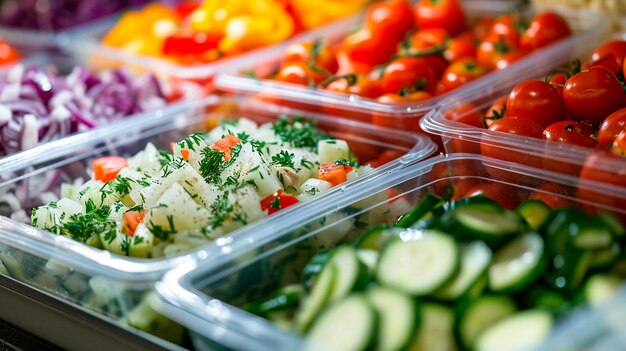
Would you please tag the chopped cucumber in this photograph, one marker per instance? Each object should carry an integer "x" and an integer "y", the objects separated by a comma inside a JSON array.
[
  {"x": 475, "y": 260},
  {"x": 348, "y": 325},
  {"x": 317, "y": 299},
  {"x": 518, "y": 264},
  {"x": 494, "y": 228},
  {"x": 535, "y": 212},
  {"x": 352, "y": 274},
  {"x": 477, "y": 315},
  {"x": 436, "y": 329},
  {"x": 421, "y": 266},
  {"x": 519, "y": 332},
  {"x": 426, "y": 204},
  {"x": 399, "y": 318},
  {"x": 600, "y": 288}
]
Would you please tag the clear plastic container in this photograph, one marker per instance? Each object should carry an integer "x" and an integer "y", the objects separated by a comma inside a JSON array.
[
  {"x": 204, "y": 296},
  {"x": 460, "y": 137},
  {"x": 115, "y": 285},
  {"x": 88, "y": 48},
  {"x": 589, "y": 28}
]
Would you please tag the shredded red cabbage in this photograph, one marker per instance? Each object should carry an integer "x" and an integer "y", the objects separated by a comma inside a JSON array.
[
  {"x": 37, "y": 106},
  {"x": 50, "y": 15}
]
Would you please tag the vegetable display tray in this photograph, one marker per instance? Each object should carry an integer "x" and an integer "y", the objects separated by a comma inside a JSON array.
[
  {"x": 111, "y": 284},
  {"x": 204, "y": 296},
  {"x": 588, "y": 28},
  {"x": 458, "y": 137}
]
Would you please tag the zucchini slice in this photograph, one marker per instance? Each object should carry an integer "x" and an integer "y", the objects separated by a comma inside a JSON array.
[
  {"x": 352, "y": 274},
  {"x": 519, "y": 332},
  {"x": 605, "y": 258},
  {"x": 317, "y": 299},
  {"x": 535, "y": 212},
  {"x": 421, "y": 266},
  {"x": 518, "y": 264},
  {"x": 475, "y": 260},
  {"x": 600, "y": 288},
  {"x": 286, "y": 298},
  {"x": 377, "y": 237},
  {"x": 494, "y": 228},
  {"x": 314, "y": 267},
  {"x": 426, "y": 204},
  {"x": 349, "y": 325},
  {"x": 475, "y": 316},
  {"x": 436, "y": 331},
  {"x": 399, "y": 318}
]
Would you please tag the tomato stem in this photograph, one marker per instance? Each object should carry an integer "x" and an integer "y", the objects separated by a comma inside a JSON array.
[{"x": 351, "y": 79}]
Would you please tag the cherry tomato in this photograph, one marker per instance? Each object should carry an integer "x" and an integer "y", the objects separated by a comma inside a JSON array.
[
  {"x": 278, "y": 201},
  {"x": 537, "y": 101},
  {"x": 461, "y": 46},
  {"x": 460, "y": 73},
  {"x": 437, "y": 63},
  {"x": 428, "y": 38},
  {"x": 615, "y": 47},
  {"x": 391, "y": 98},
  {"x": 446, "y": 14},
  {"x": 507, "y": 28},
  {"x": 593, "y": 95},
  {"x": 317, "y": 53},
  {"x": 505, "y": 195},
  {"x": 506, "y": 152},
  {"x": 557, "y": 81},
  {"x": 407, "y": 75},
  {"x": 619, "y": 144},
  {"x": 369, "y": 46},
  {"x": 392, "y": 16},
  {"x": 190, "y": 42},
  {"x": 185, "y": 8},
  {"x": 610, "y": 127},
  {"x": 545, "y": 29},
  {"x": 571, "y": 132},
  {"x": 299, "y": 73},
  {"x": 360, "y": 85},
  {"x": 496, "y": 111},
  {"x": 465, "y": 113},
  {"x": 448, "y": 177},
  {"x": 604, "y": 167},
  {"x": 494, "y": 49},
  {"x": 609, "y": 62},
  {"x": 482, "y": 28},
  {"x": 8, "y": 54},
  {"x": 554, "y": 195}
]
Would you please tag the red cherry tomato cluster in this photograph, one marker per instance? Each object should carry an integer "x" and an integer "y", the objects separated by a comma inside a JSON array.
[{"x": 406, "y": 53}]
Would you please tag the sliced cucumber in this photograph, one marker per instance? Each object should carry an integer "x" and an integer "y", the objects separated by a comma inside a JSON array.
[
  {"x": 285, "y": 298},
  {"x": 494, "y": 228},
  {"x": 477, "y": 315},
  {"x": 399, "y": 318},
  {"x": 314, "y": 267},
  {"x": 421, "y": 266},
  {"x": 617, "y": 227},
  {"x": 349, "y": 325},
  {"x": 436, "y": 329},
  {"x": 591, "y": 234},
  {"x": 317, "y": 299},
  {"x": 426, "y": 204},
  {"x": 535, "y": 212},
  {"x": 605, "y": 258},
  {"x": 554, "y": 302},
  {"x": 377, "y": 237},
  {"x": 518, "y": 264},
  {"x": 600, "y": 288},
  {"x": 519, "y": 332},
  {"x": 352, "y": 274},
  {"x": 569, "y": 269},
  {"x": 369, "y": 258},
  {"x": 481, "y": 201},
  {"x": 475, "y": 260}
]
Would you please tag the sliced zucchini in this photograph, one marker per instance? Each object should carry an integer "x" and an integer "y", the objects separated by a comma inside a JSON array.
[
  {"x": 352, "y": 274},
  {"x": 600, "y": 288},
  {"x": 518, "y": 264},
  {"x": 349, "y": 325},
  {"x": 314, "y": 267},
  {"x": 285, "y": 298},
  {"x": 436, "y": 329},
  {"x": 317, "y": 299},
  {"x": 475, "y": 260},
  {"x": 475, "y": 316},
  {"x": 519, "y": 332},
  {"x": 494, "y": 228},
  {"x": 421, "y": 266},
  {"x": 481, "y": 201},
  {"x": 569, "y": 269},
  {"x": 590, "y": 234},
  {"x": 369, "y": 258},
  {"x": 426, "y": 204},
  {"x": 617, "y": 227},
  {"x": 535, "y": 212},
  {"x": 554, "y": 302},
  {"x": 376, "y": 238},
  {"x": 399, "y": 318},
  {"x": 605, "y": 258}
]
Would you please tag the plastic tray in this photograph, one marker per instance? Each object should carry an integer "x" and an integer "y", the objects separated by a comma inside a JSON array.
[
  {"x": 87, "y": 46},
  {"x": 203, "y": 297},
  {"x": 44, "y": 169},
  {"x": 589, "y": 28},
  {"x": 460, "y": 137}
]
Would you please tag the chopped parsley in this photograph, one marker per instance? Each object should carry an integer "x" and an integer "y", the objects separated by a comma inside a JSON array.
[
  {"x": 193, "y": 140},
  {"x": 284, "y": 159},
  {"x": 299, "y": 132},
  {"x": 275, "y": 203},
  {"x": 344, "y": 162},
  {"x": 211, "y": 165},
  {"x": 95, "y": 221}
]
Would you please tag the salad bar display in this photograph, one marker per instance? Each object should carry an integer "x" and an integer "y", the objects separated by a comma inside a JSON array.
[{"x": 261, "y": 175}]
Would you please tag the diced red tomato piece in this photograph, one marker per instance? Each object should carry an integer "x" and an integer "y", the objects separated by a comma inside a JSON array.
[
  {"x": 131, "y": 221},
  {"x": 106, "y": 168},
  {"x": 277, "y": 201}
]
